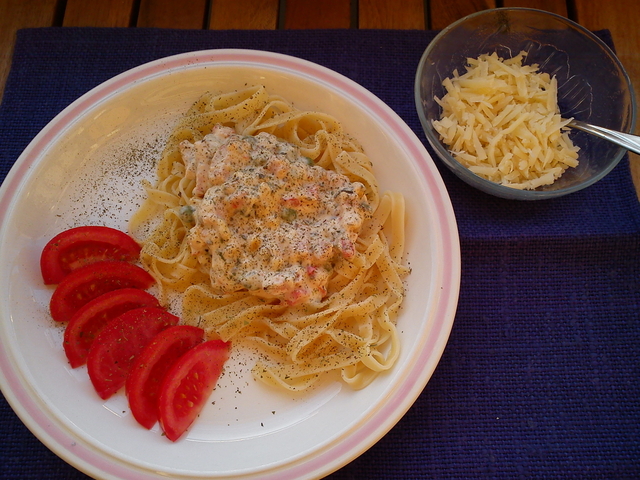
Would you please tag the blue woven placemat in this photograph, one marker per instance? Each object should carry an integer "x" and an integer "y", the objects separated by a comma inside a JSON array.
[{"x": 540, "y": 376}]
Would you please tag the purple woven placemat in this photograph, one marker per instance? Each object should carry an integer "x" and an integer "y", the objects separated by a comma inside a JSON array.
[{"x": 540, "y": 376}]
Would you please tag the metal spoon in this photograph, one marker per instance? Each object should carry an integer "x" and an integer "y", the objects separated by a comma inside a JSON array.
[{"x": 625, "y": 140}]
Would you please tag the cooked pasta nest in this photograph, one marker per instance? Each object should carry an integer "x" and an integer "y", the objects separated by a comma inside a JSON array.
[{"x": 352, "y": 331}]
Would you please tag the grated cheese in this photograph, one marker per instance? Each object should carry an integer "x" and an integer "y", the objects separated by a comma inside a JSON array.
[{"x": 501, "y": 120}]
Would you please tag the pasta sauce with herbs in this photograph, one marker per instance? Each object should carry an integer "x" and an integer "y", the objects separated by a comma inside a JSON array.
[{"x": 266, "y": 219}]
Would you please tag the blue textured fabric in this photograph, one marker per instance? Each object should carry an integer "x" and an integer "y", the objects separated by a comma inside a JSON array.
[{"x": 540, "y": 378}]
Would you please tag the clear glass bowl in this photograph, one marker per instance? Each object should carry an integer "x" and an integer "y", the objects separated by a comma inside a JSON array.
[{"x": 592, "y": 86}]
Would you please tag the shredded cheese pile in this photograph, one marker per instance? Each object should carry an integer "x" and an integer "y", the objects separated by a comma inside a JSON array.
[{"x": 501, "y": 120}]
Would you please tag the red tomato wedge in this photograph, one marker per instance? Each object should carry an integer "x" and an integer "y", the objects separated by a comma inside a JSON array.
[
  {"x": 188, "y": 385},
  {"x": 89, "y": 282},
  {"x": 151, "y": 366},
  {"x": 81, "y": 246},
  {"x": 118, "y": 344},
  {"x": 87, "y": 322}
]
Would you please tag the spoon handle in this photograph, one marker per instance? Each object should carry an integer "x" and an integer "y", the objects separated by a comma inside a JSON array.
[{"x": 625, "y": 140}]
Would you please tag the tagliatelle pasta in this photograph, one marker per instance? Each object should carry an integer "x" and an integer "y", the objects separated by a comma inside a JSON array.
[{"x": 350, "y": 326}]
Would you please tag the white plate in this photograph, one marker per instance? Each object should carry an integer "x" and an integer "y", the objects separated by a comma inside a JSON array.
[{"x": 85, "y": 168}]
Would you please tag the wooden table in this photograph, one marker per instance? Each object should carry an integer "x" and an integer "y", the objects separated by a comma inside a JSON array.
[{"x": 621, "y": 17}]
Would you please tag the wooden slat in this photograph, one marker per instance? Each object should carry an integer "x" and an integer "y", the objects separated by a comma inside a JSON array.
[
  {"x": 622, "y": 18},
  {"x": 313, "y": 14},
  {"x": 445, "y": 12},
  {"x": 554, "y": 6},
  {"x": 172, "y": 14},
  {"x": 16, "y": 14},
  {"x": 99, "y": 13},
  {"x": 244, "y": 14},
  {"x": 408, "y": 14}
]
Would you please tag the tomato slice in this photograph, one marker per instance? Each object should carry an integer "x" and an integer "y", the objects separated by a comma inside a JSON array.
[
  {"x": 81, "y": 246},
  {"x": 89, "y": 282},
  {"x": 87, "y": 322},
  {"x": 188, "y": 385},
  {"x": 116, "y": 347},
  {"x": 151, "y": 366}
]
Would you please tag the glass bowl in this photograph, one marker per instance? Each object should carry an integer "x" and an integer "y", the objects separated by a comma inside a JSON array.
[{"x": 592, "y": 86}]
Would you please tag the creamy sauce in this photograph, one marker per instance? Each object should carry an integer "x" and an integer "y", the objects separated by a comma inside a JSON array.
[{"x": 267, "y": 220}]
